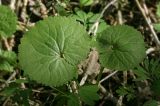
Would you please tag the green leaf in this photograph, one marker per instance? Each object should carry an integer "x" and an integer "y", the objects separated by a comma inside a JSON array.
[
  {"x": 22, "y": 97},
  {"x": 86, "y": 2},
  {"x": 9, "y": 56},
  {"x": 154, "y": 71},
  {"x": 120, "y": 47},
  {"x": 61, "y": 10},
  {"x": 127, "y": 91},
  {"x": 61, "y": 100},
  {"x": 73, "y": 100},
  {"x": 151, "y": 103},
  {"x": 121, "y": 91},
  {"x": 157, "y": 27},
  {"x": 158, "y": 9},
  {"x": 88, "y": 94},
  {"x": 50, "y": 52},
  {"x": 101, "y": 27},
  {"x": 8, "y": 60},
  {"x": 141, "y": 74},
  {"x": 152, "y": 68},
  {"x": 8, "y": 21},
  {"x": 88, "y": 19},
  {"x": 19, "y": 81},
  {"x": 92, "y": 17},
  {"x": 81, "y": 16},
  {"x": 8, "y": 91},
  {"x": 156, "y": 87},
  {"x": 5, "y": 66}
]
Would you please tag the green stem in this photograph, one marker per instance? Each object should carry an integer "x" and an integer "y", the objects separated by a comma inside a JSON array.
[
  {"x": 58, "y": 90},
  {"x": 100, "y": 74}
]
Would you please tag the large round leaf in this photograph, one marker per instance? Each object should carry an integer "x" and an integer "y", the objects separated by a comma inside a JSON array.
[
  {"x": 49, "y": 52},
  {"x": 8, "y": 21},
  {"x": 121, "y": 47}
]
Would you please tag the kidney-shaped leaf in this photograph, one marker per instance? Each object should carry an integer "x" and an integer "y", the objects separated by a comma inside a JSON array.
[
  {"x": 50, "y": 51},
  {"x": 8, "y": 21},
  {"x": 121, "y": 47}
]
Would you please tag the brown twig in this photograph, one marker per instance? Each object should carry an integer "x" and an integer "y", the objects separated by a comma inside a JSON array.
[
  {"x": 24, "y": 15},
  {"x": 107, "y": 77},
  {"x": 144, "y": 10},
  {"x": 6, "y": 101},
  {"x": 6, "y": 44},
  {"x": 43, "y": 9},
  {"x": 8, "y": 80},
  {"x": 120, "y": 17},
  {"x": 150, "y": 50},
  {"x": 12, "y": 4},
  {"x": 94, "y": 27}
]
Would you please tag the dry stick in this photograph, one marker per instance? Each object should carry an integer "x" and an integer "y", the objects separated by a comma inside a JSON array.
[
  {"x": 18, "y": 6},
  {"x": 120, "y": 18},
  {"x": 6, "y": 44},
  {"x": 31, "y": 5},
  {"x": 5, "y": 84},
  {"x": 74, "y": 87},
  {"x": 24, "y": 11},
  {"x": 12, "y": 4},
  {"x": 125, "y": 77},
  {"x": 83, "y": 80},
  {"x": 150, "y": 50},
  {"x": 94, "y": 27},
  {"x": 120, "y": 100},
  {"x": 43, "y": 9},
  {"x": 8, "y": 80},
  {"x": 5, "y": 102},
  {"x": 107, "y": 77},
  {"x": 109, "y": 97},
  {"x": 144, "y": 12},
  {"x": 104, "y": 91}
]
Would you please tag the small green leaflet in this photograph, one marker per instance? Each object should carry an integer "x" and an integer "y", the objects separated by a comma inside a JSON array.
[
  {"x": 88, "y": 19},
  {"x": 127, "y": 91},
  {"x": 157, "y": 27},
  {"x": 150, "y": 70},
  {"x": 7, "y": 60},
  {"x": 158, "y": 9},
  {"x": 50, "y": 52},
  {"x": 151, "y": 103},
  {"x": 156, "y": 87},
  {"x": 8, "y": 91},
  {"x": 86, "y": 2},
  {"x": 120, "y": 47},
  {"x": 73, "y": 100},
  {"x": 88, "y": 94},
  {"x": 8, "y": 21},
  {"x": 141, "y": 74},
  {"x": 5, "y": 66}
]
